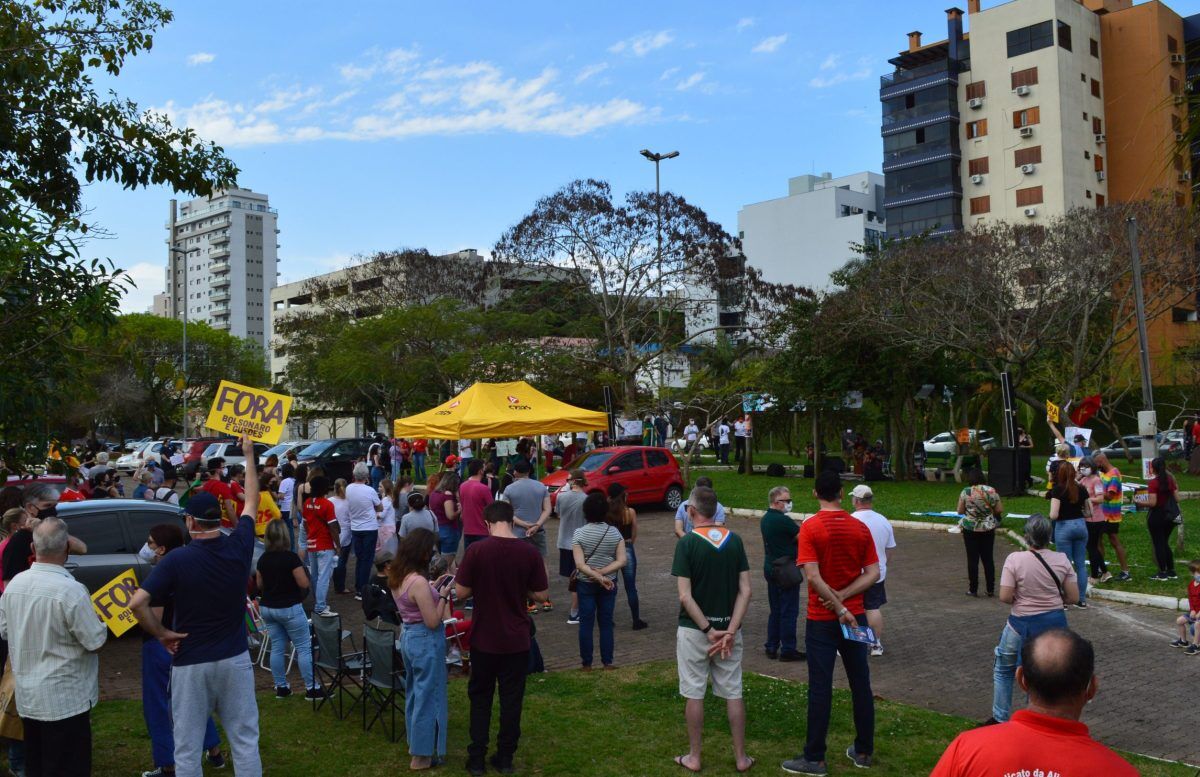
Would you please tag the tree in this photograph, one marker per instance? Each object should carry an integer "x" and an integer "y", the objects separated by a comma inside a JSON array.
[
  {"x": 1049, "y": 304},
  {"x": 641, "y": 299},
  {"x": 57, "y": 132}
]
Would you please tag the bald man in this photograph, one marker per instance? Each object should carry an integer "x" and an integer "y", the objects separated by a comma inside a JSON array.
[{"x": 1057, "y": 671}]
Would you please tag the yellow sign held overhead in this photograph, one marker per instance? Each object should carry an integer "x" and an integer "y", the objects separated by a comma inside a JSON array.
[
  {"x": 1051, "y": 412},
  {"x": 258, "y": 414},
  {"x": 111, "y": 602}
]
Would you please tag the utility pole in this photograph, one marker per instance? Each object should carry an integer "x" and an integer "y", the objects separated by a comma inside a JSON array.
[
  {"x": 656, "y": 159},
  {"x": 172, "y": 251}
]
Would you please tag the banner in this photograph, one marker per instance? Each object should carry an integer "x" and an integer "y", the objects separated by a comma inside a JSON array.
[
  {"x": 260, "y": 415},
  {"x": 1051, "y": 412},
  {"x": 1071, "y": 431},
  {"x": 111, "y": 602}
]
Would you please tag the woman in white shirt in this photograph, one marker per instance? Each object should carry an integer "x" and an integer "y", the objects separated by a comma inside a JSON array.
[
  {"x": 387, "y": 519},
  {"x": 341, "y": 508}
]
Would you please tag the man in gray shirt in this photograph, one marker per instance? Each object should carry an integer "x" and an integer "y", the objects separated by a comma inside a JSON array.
[
  {"x": 569, "y": 507},
  {"x": 530, "y": 501}
]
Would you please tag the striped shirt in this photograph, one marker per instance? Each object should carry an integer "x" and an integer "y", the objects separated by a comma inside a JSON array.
[{"x": 599, "y": 542}]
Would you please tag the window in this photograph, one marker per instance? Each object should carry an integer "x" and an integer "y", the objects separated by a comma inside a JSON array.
[
  {"x": 1097, "y": 125},
  {"x": 1177, "y": 161},
  {"x": 910, "y": 100},
  {"x": 1174, "y": 82},
  {"x": 1031, "y": 38},
  {"x": 1087, "y": 193},
  {"x": 978, "y": 166},
  {"x": 976, "y": 89},
  {"x": 1026, "y": 77},
  {"x": 1095, "y": 88},
  {"x": 1099, "y": 200},
  {"x": 141, "y": 521},
  {"x": 1172, "y": 45},
  {"x": 1087, "y": 154},
  {"x": 1094, "y": 46},
  {"x": 1026, "y": 117},
  {"x": 657, "y": 459},
  {"x": 628, "y": 462},
  {"x": 1085, "y": 116},
  {"x": 1064, "y": 35},
  {"x": 977, "y": 129},
  {"x": 1083, "y": 77},
  {"x": 981, "y": 205},
  {"x": 1030, "y": 196},
  {"x": 1027, "y": 156},
  {"x": 1176, "y": 123},
  {"x": 100, "y": 531},
  {"x": 1098, "y": 163}
]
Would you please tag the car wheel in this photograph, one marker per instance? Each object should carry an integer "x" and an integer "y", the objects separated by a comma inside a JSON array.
[{"x": 673, "y": 498}]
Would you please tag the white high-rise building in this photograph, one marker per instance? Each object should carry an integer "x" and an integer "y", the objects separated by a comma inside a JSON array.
[{"x": 222, "y": 262}]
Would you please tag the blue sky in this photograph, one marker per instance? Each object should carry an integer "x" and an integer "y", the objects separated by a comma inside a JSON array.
[{"x": 379, "y": 125}]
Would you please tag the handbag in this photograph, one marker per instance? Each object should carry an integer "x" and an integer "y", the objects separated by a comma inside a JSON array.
[
  {"x": 786, "y": 574},
  {"x": 1058, "y": 583},
  {"x": 573, "y": 580},
  {"x": 1173, "y": 511}
]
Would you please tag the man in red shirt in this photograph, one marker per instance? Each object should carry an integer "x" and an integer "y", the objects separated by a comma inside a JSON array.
[
  {"x": 473, "y": 496},
  {"x": 221, "y": 490},
  {"x": 840, "y": 563},
  {"x": 1057, "y": 671}
]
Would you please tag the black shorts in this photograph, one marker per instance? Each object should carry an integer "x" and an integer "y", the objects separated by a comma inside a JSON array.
[
  {"x": 1110, "y": 527},
  {"x": 875, "y": 597},
  {"x": 566, "y": 562}
]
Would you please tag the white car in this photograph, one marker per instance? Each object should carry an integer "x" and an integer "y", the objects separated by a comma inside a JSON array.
[
  {"x": 681, "y": 445},
  {"x": 231, "y": 452},
  {"x": 131, "y": 461},
  {"x": 281, "y": 450},
  {"x": 946, "y": 443}
]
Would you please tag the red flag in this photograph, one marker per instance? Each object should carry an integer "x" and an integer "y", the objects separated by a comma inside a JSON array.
[{"x": 1084, "y": 411}]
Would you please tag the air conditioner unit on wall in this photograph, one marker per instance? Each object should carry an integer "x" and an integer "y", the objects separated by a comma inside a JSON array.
[
  {"x": 1178, "y": 136},
  {"x": 1099, "y": 175},
  {"x": 1178, "y": 59},
  {"x": 1028, "y": 169},
  {"x": 1180, "y": 99},
  {"x": 1022, "y": 91},
  {"x": 1100, "y": 138},
  {"x": 1031, "y": 212},
  {"x": 1185, "y": 176},
  {"x": 1027, "y": 132},
  {"x": 975, "y": 102},
  {"x": 977, "y": 179}
]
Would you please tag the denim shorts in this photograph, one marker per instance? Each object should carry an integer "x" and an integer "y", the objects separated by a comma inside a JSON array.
[
  {"x": 448, "y": 537},
  {"x": 875, "y": 597}
]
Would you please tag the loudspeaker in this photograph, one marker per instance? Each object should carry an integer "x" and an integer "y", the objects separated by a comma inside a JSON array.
[
  {"x": 775, "y": 470},
  {"x": 808, "y": 469},
  {"x": 1003, "y": 472}
]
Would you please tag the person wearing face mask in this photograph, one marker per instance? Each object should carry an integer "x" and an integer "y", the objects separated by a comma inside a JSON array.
[
  {"x": 39, "y": 501},
  {"x": 779, "y": 533},
  {"x": 156, "y": 670},
  {"x": 1191, "y": 619},
  {"x": 1093, "y": 486}
]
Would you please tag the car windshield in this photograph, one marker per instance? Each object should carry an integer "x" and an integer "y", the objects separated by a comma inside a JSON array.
[
  {"x": 212, "y": 449},
  {"x": 279, "y": 449},
  {"x": 317, "y": 448},
  {"x": 591, "y": 462}
]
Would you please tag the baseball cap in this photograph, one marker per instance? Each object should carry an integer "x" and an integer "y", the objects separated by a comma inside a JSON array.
[
  {"x": 862, "y": 491},
  {"x": 451, "y": 460},
  {"x": 203, "y": 506},
  {"x": 1080, "y": 437}
]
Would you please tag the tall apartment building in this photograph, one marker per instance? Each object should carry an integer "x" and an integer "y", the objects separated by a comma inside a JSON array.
[
  {"x": 803, "y": 237},
  {"x": 222, "y": 262}
]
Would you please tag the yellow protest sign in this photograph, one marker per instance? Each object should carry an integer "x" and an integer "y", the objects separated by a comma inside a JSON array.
[
  {"x": 111, "y": 602},
  {"x": 258, "y": 414},
  {"x": 1051, "y": 412}
]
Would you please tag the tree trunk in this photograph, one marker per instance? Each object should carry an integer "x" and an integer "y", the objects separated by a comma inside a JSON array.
[{"x": 818, "y": 458}]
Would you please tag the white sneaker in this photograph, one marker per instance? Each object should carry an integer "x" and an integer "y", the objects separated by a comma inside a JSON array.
[
  {"x": 327, "y": 614},
  {"x": 877, "y": 649},
  {"x": 454, "y": 656}
]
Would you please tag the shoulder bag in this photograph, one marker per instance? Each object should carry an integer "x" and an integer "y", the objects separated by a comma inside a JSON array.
[
  {"x": 786, "y": 574},
  {"x": 573, "y": 580},
  {"x": 1058, "y": 583}
]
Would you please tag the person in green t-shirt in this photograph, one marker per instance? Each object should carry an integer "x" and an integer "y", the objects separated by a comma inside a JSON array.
[
  {"x": 779, "y": 533},
  {"x": 713, "y": 575}
]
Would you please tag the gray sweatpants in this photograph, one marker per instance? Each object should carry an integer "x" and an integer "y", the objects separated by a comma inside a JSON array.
[{"x": 223, "y": 687}]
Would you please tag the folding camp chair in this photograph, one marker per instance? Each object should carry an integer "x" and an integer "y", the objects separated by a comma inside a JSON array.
[
  {"x": 334, "y": 668},
  {"x": 384, "y": 683}
]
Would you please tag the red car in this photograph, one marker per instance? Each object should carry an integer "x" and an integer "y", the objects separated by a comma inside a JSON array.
[{"x": 650, "y": 475}]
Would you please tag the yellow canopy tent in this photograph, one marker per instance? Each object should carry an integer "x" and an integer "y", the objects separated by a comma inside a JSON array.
[{"x": 499, "y": 410}]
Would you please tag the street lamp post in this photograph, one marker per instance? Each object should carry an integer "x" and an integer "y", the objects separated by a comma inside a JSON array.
[
  {"x": 656, "y": 159},
  {"x": 175, "y": 250}
]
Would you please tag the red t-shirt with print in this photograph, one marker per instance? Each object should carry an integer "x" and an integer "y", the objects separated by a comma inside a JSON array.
[
  {"x": 841, "y": 545},
  {"x": 318, "y": 514}
]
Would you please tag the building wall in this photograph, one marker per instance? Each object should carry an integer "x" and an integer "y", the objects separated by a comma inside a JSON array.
[
  {"x": 800, "y": 239},
  {"x": 1063, "y": 97}
]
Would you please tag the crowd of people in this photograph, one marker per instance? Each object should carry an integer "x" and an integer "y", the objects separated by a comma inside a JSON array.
[{"x": 473, "y": 541}]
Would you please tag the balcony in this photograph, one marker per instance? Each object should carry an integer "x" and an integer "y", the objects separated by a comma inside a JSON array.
[
  {"x": 903, "y": 81},
  {"x": 932, "y": 152},
  {"x": 218, "y": 296},
  {"x": 218, "y": 253},
  {"x": 219, "y": 240},
  {"x": 222, "y": 324},
  {"x": 913, "y": 197},
  {"x": 218, "y": 268},
  {"x": 218, "y": 282},
  {"x": 220, "y": 310},
  {"x": 913, "y": 118}
]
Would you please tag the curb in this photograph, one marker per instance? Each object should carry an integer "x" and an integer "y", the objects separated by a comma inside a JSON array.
[{"x": 1124, "y": 597}]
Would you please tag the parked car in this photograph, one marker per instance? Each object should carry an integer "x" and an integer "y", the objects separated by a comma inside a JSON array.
[
  {"x": 230, "y": 451},
  {"x": 193, "y": 450},
  {"x": 126, "y": 464},
  {"x": 114, "y": 531},
  {"x": 282, "y": 448},
  {"x": 336, "y": 456},
  {"x": 1166, "y": 447},
  {"x": 133, "y": 444},
  {"x": 59, "y": 482},
  {"x": 650, "y": 475},
  {"x": 945, "y": 444},
  {"x": 681, "y": 445}
]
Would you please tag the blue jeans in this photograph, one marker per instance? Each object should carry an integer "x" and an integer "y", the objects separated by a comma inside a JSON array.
[
  {"x": 1016, "y": 630},
  {"x": 595, "y": 603},
  {"x": 426, "y": 704},
  {"x": 629, "y": 578},
  {"x": 823, "y": 641},
  {"x": 781, "y": 621},
  {"x": 284, "y": 625},
  {"x": 419, "y": 475},
  {"x": 1071, "y": 537},
  {"x": 364, "y": 557},
  {"x": 320, "y": 570},
  {"x": 395, "y": 471},
  {"x": 376, "y": 476},
  {"x": 339, "y": 573},
  {"x": 156, "y": 706}
]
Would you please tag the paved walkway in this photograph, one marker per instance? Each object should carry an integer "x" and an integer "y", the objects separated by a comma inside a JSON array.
[{"x": 939, "y": 642}]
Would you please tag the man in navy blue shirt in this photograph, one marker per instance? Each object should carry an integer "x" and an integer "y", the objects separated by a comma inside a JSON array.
[{"x": 211, "y": 670}]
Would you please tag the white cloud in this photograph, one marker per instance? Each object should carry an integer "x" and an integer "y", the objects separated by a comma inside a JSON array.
[
  {"x": 397, "y": 95},
  {"x": 744, "y": 23},
  {"x": 148, "y": 280},
  {"x": 770, "y": 45},
  {"x": 641, "y": 45},
  {"x": 862, "y": 71},
  {"x": 200, "y": 58},
  {"x": 591, "y": 70},
  {"x": 666, "y": 75},
  {"x": 692, "y": 80},
  {"x": 830, "y": 62}
]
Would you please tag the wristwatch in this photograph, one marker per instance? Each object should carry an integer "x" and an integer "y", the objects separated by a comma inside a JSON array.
[
  {"x": 842, "y": 612},
  {"x": 706, "y": 629}
]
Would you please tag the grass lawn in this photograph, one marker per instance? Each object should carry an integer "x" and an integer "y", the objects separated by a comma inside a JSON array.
[
  {"x": 896, "y": 499},
  {"x": 628, "y": 722}
]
